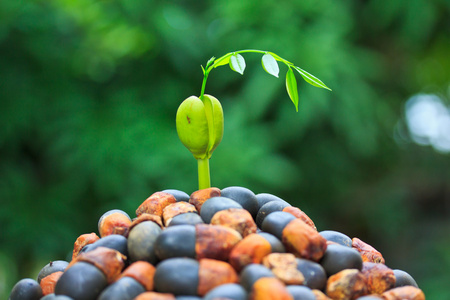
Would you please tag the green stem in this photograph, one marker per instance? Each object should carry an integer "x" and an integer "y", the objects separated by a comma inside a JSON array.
[
  {"x": 205, "y": 77},
  {"x": 204, "y": 180}
]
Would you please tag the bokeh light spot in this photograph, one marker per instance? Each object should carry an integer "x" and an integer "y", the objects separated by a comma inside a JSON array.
[{"x": 428, "y": 121}]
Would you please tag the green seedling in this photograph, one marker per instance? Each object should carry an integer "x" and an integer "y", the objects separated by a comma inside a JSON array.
[{"x": 199, "y": 120}]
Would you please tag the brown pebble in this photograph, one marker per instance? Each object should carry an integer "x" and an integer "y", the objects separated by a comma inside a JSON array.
[
  {"x": 48, "y": 282},
  {"x": 238, "y": 219},
  {"x": 176, "y": 209},
  {"x": 320, "y": 295},
  {"x": 284, "y": 267},
  {"x": 289, "y": 276},
  {"x": 299, "y": 214},
  {"x": 368, "y": 253},
  {"x": 111, "y": 262},
  {"x": 83, "y": 240},
  {"x": 155, "y": 296},
  {"x": 269, "y": 288},
  {"x": 379, "y": 277},
  {"x": 283, "y": 260},
  {"x": 115, "y": 223},
  {"x": 142, "y": 271},
  {"x": 199, "y": 197},
  {"x": 214, "y": 241},
  {"x": 213, "y": 273},
  {"x": 147, "y": 217},
  {"x": 404, "y": 293},
  {"x": 155, "y": 204},
  {"x": 250, "y": 250},
  {"x": 303, "y": 241},
  {"x": 347, "y": 284}
]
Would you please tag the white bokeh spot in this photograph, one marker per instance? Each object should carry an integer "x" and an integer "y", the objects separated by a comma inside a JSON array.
[{"x": 428, "y": 121}]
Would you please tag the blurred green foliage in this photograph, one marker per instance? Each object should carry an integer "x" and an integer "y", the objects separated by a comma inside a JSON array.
[{"x": 89, "y": 92}]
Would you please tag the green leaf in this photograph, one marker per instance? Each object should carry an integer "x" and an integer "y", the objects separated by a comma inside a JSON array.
[
  {"x": 237, "y": 63},
  {"x": 210, "y": 62},
  {"x": 291, "y": 86},
  {"x": 311, "y": 79},
  {"x": 222, "y": 61},
  {"x": 270, "y": 64}
]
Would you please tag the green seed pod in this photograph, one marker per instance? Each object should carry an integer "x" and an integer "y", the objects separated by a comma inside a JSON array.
[{"x": 200, "y": 125}]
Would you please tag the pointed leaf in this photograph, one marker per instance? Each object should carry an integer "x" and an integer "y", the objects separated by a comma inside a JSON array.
[
  {"x": 311, "y": 79},
  {"x": 222, "y": 61},
  {"x": 210, "y": 61},
  {"x": 237, "y": 63},
  {"x": 291, "y": 86},
  {"x": 270, "y": 64}
]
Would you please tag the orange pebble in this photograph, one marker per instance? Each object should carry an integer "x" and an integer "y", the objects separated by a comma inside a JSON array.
[
  {"x": 251, "y": 249},
  {"x": 155, "y": 204},
  {"x": 199, "y": 197},
  {"x": 48, "y": 283},
  {"x": 213, "y": 273},
  {"x": 269, "y": 288}
]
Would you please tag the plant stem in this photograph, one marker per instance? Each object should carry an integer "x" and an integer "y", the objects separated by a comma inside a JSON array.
[
  {"x": 204, "y": 177},
  {"x": 204, "y": 180},
  {"x": 205, "y": 77}
]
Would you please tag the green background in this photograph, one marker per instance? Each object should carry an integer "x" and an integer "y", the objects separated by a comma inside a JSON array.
[{"x": 89, "y": 92}]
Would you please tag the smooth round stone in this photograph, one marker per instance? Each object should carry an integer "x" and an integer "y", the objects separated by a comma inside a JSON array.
[
  {"x": 113, "y": 241},
  {"x": 26, "y": 289},
  {"x": 141, "y": 242},
  {"x": 402, "y": 278},
  {"x": 264, "y": 198},
  {"x": 179, "y": 195},
  {"x": 176, "y": 241},
  {"x": 337, "y": 258},
  {"x": 52, "y": 267},
  {"x": 268, "y": 208},
  {"x": 186, "y": 219},
  {"x": 82, "y": 281},
  {"x": 244, "y": 197},
  {"x": 251, "y": 273},
  {"x": 337, "y": 237},
  {"x": 275, "y": 222},
  {"x": 126, "y": 288},
  {"x": 56, "y": 297},
  {"x": 299, "y": 292},
  {"x": 275, "y": 244},
  {"x": 232, "y": 291},
  {"x": 178, "y": 276},
  {"x": 215, "y": 204},
  {"x": 314, "y": 273}
]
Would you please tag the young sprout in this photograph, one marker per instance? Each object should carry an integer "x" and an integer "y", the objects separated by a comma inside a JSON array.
[{"x": 199, "y": 120}]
